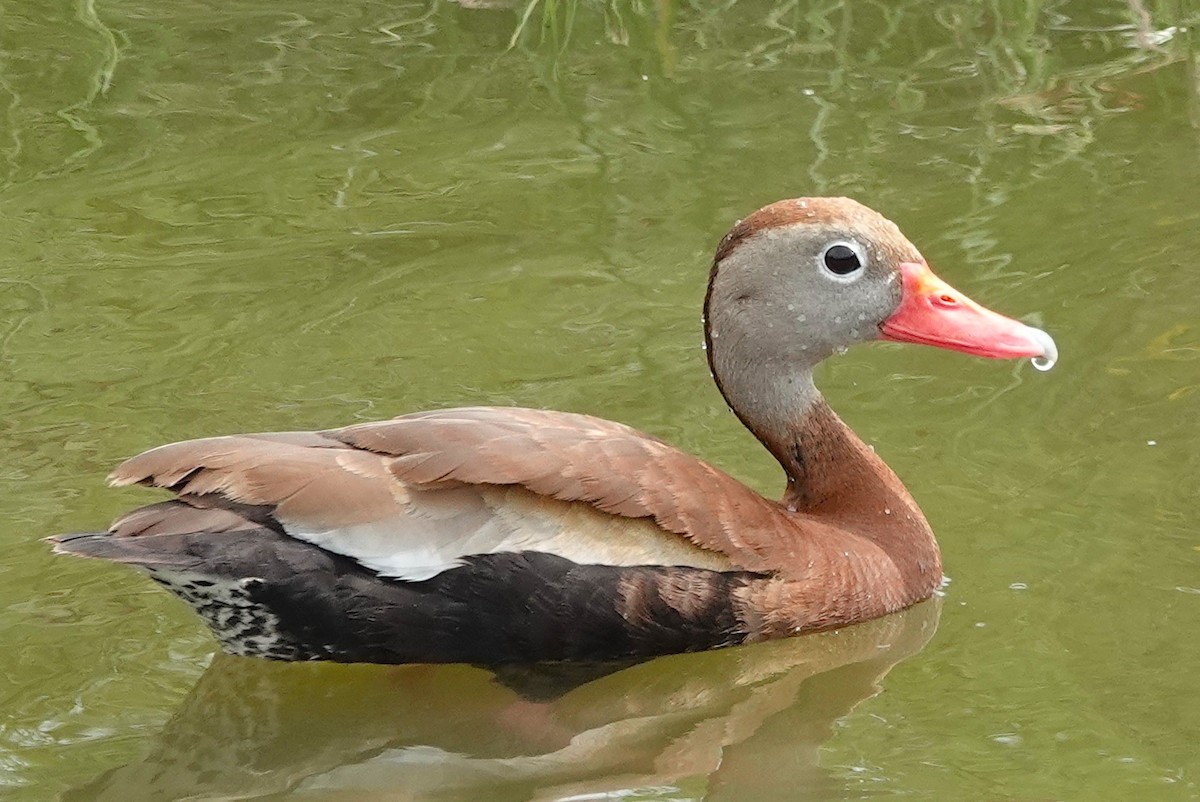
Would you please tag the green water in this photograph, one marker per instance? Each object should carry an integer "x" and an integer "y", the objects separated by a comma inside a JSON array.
[{"x": 234, "y": 216}]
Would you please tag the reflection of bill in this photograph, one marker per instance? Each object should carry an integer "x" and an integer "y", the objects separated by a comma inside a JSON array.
[{"x": 743, "y": 723}]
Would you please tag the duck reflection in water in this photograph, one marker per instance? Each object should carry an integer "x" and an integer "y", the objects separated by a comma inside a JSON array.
[{"x": 743, "y": 723}]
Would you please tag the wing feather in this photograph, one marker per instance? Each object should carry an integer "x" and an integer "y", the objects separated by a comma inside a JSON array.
[{"x": 410, "y": 496}]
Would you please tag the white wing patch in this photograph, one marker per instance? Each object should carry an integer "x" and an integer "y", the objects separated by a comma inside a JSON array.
[{"x": 432, "y": 530}]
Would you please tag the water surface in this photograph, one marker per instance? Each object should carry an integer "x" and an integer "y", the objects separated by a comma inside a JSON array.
[{"x": 238, "y": 216}]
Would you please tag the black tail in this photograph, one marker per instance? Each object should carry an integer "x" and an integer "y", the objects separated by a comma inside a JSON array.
[
  {"x": 143, "y": 552},
  {"x": 221, "y": 575}
]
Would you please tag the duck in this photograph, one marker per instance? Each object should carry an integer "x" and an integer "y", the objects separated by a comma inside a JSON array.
[{"x": 502, "y": 535}]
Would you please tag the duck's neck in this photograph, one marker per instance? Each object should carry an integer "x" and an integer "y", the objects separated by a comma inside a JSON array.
[
  {"x": 780, "y": 407},
  {"x": 830, "y": 472}
]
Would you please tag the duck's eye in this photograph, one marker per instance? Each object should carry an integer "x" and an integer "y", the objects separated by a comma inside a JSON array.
[{"x": 842, "y": 260}]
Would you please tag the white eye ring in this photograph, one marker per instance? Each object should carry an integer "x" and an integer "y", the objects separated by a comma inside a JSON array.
[{"x": 840, "y": 266}]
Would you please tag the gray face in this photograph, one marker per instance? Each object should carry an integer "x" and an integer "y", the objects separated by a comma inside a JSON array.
[{"x": 791, "y": 295}]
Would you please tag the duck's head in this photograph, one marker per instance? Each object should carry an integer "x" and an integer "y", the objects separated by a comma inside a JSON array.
[{"x": 801, "y": 279}]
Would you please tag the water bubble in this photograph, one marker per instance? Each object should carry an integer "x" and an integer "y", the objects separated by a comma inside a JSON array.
[
  {"x": 1042, "y": 363},
  {"x": 1049, "y": 350}
]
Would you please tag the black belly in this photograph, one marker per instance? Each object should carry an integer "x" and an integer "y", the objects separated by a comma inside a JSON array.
[{"x": 267, "y": 595}]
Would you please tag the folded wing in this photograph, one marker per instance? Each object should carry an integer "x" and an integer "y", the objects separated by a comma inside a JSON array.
[{"x": 411, "y": 497}]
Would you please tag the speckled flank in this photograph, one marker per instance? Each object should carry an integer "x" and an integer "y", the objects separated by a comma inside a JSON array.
[{"x": 242, "y": 625}]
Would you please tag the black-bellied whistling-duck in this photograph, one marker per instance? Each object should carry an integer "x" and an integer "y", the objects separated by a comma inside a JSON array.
[{"x": 497, "y": 535}]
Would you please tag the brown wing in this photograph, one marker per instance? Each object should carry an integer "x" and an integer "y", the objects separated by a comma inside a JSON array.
[
  {"x": 473, "y": 478},
  {"x": 411, "y": 495}
]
